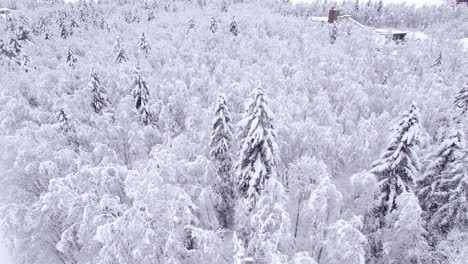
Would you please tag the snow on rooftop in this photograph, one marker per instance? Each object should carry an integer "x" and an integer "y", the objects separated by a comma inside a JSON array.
[
  {"x": 390, "y": 31},
  {"x": 464, "y": 42},
  {"x": 319, "y": 19}
]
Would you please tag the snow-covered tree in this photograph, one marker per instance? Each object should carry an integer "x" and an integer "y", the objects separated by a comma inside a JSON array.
[
  {"x": 213, "y": 25},
  {"x": 220, "y": 145},
  {"x": 121, "y": 55},
  {"x": 333, "y": 33},
  {"x": 151, "y": 16},
  {"x": 304, "y": 176},
  {"x": 191, "y": 25},
  {"x": 454, "y": 248},
  {"x": 380, "y": 7},
  {"x": 224, "y": 6},
  {"x": 302, "y": 257},
  {"x": 64, "y": 33},
  {"x": 117, "y": 45},
  {"x": 438, "y": 62},
  {"x": 71, "y": 59},
  {"x": 144, "y": 44},
  {"x": 258, "y": 148},
  {"x": 443, "y": 189},
  {"x": 461, "y": 99},
  {"x": 345, "y": 243},
  {"x": 270, "y": 225},
  {"x": 100, "y": 99},
  {"x": 233, "y": 27},
  {"x": 140, "y": 93},
  {"x": 324, "y": 209},
  {"x": 364, "y": 188},
  {"x": 65, "y": 125},
  {"x": 398, "y": 166},
  {"x": 119, "y": 51},
  {"x": 356, "y": 6},
  {"x": 404, "y": 238}
]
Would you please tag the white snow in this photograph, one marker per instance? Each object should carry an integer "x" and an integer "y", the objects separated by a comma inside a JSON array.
[
  {"x": 464, "y": 42},
  {"x": 409, "y": 2}
]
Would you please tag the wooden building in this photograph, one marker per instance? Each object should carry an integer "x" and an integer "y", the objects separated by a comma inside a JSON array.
[{"x": 4, "y": 12}]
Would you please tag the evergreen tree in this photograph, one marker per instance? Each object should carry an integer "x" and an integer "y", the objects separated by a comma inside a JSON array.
[
  {"x": 214, "y": 25},
  {"x": 121, "y": 55},
  {"x": 99, "y": 93},
  {"x": 380, "y": 7},
  {"x": 234, "y": 28},
  {"x": 15, "y": 46},
  {"x": 258, "y": 151},
  {"x": 26, "y": 60},
  {"x": 356, "y": 6},
  {"x": 438, "y": 62},
  {"x": 151, "y": 16},
  {"x": 224, "y": 6},
  {"x": 333, "y": 33},
  {"x": 144, "y": 44},
  {"x": 443, "y": 189},
  {"x": 461, "y": 100},
  {"x": 23, "y": 33},
  {"x": 398, "y": 165},
  {"x": 71, "y": 59},
  {"x": 190, "y": 25},
  {"x": 141, "y": 94},
  {"x": 220, "y": 145},
  {"x": 117, "y": 46},
  {"x": 64, "y": 33}
]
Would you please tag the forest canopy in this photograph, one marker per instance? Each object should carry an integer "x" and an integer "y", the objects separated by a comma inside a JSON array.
[{"x": 233, "y": 131}]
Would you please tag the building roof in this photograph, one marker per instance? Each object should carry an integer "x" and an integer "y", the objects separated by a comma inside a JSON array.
[
  {"x": 324, "y": 19},
  {"x": 389, "y": 31}
]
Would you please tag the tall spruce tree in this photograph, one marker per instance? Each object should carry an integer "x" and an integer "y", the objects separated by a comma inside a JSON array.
[
  {"x": 356, "y": 6},
  {"x": 333, "y": 33},
  {"x": 380, "y": 7},
  {"x": 99, "y": 93},
  {"x": 224, "y": 6},
  {"x": 443, "y": 189},
  {"x": 461, "y": 99},
  {"x": 144, "y": 44},
  {"x": 258, "y": 151},
  {"x": 64, "y": 33},
  {"x": 399, "y": 164},
  {"x": 438, "y": 63},
  {"x": 234, "y": 28},
  {"x": 141, "y": 94},
  {"x": 119, "y": 51},
  {"x": 220, "y": 145},
  {"x": 121, "y": 55},
  {"x": 213, "y": 25},
  {"x": 71, "y": 59}
]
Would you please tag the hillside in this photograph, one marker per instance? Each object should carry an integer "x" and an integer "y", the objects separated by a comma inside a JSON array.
[{"x": 232, "y": 132}]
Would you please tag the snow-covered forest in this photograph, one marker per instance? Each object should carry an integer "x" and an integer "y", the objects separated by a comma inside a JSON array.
[{"x": 233, "y": 131}]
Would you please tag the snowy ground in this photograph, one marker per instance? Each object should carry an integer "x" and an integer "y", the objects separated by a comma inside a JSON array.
[{"x": 409, "y": 2}]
